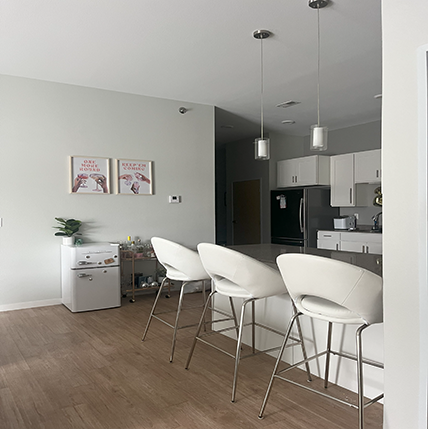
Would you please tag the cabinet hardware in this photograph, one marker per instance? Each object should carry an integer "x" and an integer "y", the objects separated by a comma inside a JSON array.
[
  {"x": 350, "y": 195},
  {"x": 337, "y": 246}
]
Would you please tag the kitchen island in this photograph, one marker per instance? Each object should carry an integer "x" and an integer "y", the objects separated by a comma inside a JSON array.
[{"x": 276, "y": 312}]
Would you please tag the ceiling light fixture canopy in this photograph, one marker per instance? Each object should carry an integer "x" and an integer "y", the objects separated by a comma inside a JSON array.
[
  {"x": 319, "y": 134},
  {"x": 262, "y": 144}
]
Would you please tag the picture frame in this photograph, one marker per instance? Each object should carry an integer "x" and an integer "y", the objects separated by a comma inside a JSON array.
[
  {"x": 89, "y": 175},
  {"x": 134, "y": 177}
]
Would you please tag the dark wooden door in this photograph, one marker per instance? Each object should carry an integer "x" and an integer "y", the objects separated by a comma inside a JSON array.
[{"x": 246, "y": 212}]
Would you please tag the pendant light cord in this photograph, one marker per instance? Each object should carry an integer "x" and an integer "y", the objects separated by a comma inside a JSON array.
[
  {"x": 261, "y": 86},
  {"x": 318, "y": 65}
]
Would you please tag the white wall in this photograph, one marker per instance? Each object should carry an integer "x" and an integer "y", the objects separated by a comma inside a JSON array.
[
  {"x": 404, "y": 30},
  {"x": 42, "y": 124}
]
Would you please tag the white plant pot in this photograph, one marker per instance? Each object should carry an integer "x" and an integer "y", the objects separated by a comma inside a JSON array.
[{"x": 67, "y": 241}]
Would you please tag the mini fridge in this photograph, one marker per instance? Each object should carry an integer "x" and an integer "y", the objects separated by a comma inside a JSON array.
[{"x": 90, "y": 276}]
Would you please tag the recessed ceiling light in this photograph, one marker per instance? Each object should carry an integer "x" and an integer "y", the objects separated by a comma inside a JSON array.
[
  {"x": 288, "y": 103},
  {"x": 378, "y": 96},
  {"x": 288, "y": 122},
  {"x": 229, "y": 127}
]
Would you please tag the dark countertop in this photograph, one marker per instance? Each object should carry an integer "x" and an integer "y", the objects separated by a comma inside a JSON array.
[
  {"x": 268, "y": 253},
  {"x": 360, "y": 228}
]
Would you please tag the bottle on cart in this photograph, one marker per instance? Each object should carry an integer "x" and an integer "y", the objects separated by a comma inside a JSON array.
[
  {"x": 128, "y": 243},
  {"x": 133, "y": 247}
]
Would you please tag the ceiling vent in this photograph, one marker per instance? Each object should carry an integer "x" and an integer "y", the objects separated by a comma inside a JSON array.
[{"x": 288, "y": 104}]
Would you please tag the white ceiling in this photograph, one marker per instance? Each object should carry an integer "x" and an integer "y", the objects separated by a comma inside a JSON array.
[{"x": 203, "y": 51}]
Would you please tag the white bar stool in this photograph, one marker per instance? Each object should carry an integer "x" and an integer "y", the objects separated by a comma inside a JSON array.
[
  {"x": 181, "y": 264},
  {"x": 236, "y": 275},
  {"x": 336, "y": 292}
]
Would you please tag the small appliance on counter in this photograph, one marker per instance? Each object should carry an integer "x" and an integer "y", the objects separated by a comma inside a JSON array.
[
  {"x": 345, "y": 222},
  {"x": 90, "y": 276}
]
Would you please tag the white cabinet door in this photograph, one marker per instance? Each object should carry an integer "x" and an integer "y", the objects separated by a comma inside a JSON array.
[
  {"x": 342, "y": 180},
  {"x": 306, "y": 170},
  {"x": 328, "y": 244},
  {"x": 329, "y": 240},
  {"x": 361, "y": 242},
  {"x": 375, "y": 248},
  {"x": 352, "y": 246},
  {"x": 286, "y": 173},
  {"x": 368, "y": 166}
]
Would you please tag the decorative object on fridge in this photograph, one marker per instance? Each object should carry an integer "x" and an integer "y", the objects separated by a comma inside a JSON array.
[
  {"x": 89, "y": 175},
  {"x": 68, "y": 229},
  {"x": 262, "y": 144},
  {"x": 319, "y": 134},
  {"x": 134, "y": 177}
]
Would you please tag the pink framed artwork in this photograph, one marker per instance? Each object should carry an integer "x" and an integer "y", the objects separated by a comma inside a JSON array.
[
  {"x": 134, "y": 177},
  {"x": 89, "y": 175}
]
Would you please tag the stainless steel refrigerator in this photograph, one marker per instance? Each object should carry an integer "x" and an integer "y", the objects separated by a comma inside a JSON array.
[{"x": 297, "y": 214}]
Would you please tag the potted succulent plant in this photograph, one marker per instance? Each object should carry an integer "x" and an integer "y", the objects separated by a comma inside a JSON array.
[{"x": 68, "y": 229}]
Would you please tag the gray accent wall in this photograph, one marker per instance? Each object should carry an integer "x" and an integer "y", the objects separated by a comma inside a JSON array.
[{"x": 42, "y": 124}]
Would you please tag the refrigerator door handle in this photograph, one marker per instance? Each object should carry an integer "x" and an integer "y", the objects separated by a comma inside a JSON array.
[{"x": 301, "y": 214}]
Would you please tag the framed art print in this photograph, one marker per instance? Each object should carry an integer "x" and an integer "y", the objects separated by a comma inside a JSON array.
[
  {"x": 134, "y": 177},
  {"x": 89, "y": 175}
]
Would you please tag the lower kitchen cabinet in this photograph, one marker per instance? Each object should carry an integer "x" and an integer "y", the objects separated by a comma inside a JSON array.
[
  {"x": 361, "y": 242},
  {"x": 329, "y": 240}
]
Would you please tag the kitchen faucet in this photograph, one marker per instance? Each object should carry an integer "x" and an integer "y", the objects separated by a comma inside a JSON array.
[{"x": 375, "y": 220}]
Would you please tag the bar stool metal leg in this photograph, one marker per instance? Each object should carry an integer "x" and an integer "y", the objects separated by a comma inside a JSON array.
[
  {"x": 235, "y": 320},
  {"x": 327, "y": 358},
  {"x": 198, "y": 331},
  {"x": 174, "y": 336},
  {"x": 278, "y": 360},
  {"x": 238, "y": 346},
  {"x": 154, "y": 307},
  {"x": 359, "y": 350},
  {"x": 302, "y": 345}
]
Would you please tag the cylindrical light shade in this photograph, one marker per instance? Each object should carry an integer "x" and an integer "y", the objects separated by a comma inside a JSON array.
[
  {"x": 262, "y": 149},
  {"x": 319, "y": 136}
]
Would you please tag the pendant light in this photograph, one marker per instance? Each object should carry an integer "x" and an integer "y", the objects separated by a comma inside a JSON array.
[
  {"x": 319, "y": 134},
  {"x": 262, "y": 144}
]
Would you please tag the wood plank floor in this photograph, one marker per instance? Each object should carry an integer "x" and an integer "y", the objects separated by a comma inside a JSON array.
[{"x": 63, "y": 370}]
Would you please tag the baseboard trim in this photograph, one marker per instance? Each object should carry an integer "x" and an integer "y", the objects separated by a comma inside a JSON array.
[{"x": 30, "y": 304}]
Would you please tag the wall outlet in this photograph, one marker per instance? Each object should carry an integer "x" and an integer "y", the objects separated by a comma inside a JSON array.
[{"x": 174, "y": 199}]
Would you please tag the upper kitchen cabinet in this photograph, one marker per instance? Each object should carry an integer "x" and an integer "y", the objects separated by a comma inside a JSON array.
[
  {"x": 342, "y": 180},
  {"x": 305, "y": 171},
  {"x": 367, "y": 166},
  {"x": 351, "y": 175}
]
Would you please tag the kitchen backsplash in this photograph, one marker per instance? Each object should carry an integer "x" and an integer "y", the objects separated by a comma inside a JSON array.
[{"x": 365, "y": 214}]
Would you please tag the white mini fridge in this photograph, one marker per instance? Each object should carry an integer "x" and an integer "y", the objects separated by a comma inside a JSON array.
[{"x": 90, "y": 276}]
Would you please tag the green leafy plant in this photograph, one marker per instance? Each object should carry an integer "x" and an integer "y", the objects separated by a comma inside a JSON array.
[{"x": 68, "y": 228}]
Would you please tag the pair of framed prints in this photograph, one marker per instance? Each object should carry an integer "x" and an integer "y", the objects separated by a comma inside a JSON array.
[{"x": 91, "y": 175}]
